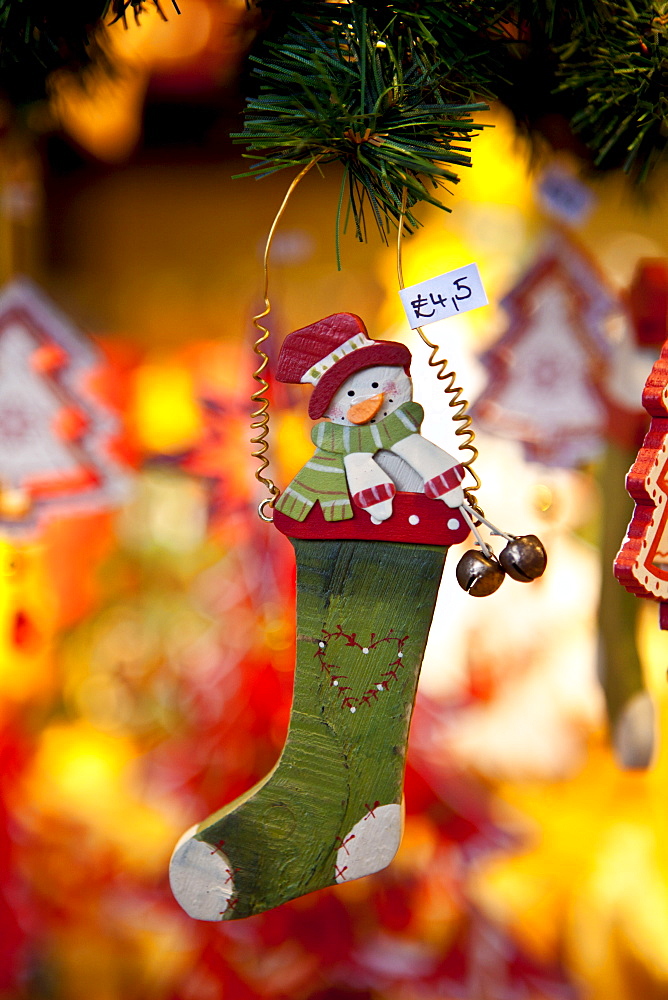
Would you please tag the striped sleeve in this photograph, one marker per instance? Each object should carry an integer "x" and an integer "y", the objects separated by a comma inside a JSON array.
[
  {"x": 444, "y": 482},
  {"x": 374, "y": 494}
]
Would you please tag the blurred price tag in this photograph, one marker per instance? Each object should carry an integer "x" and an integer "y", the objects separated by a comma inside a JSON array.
[
  {"x": 439, "y": 298},
  {"x": 564, "y": 197}
]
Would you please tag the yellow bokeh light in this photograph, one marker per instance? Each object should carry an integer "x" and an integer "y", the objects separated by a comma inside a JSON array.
[
  {"x": 500, "y": 173},
  {"x": 105, "y": 116},
  {"x": 86, "y": 775},
  {"x": 156, "y": 41},
  {"x": 165, "y": 413}
]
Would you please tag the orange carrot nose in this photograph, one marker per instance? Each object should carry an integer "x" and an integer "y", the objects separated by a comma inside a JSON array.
[{"x": 365, "y": 410}]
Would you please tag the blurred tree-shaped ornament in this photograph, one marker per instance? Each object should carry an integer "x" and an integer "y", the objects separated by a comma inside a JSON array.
[
  {"x": 547, "y": 372},
  {"x": 629, "y": 705},
  {"x": 56, "y": 435},
  {"x": 642, "y": 562}
]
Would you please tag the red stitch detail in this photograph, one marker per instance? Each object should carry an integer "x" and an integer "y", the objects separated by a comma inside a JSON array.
[
  {"x": 218, "y": 846},
  {"x": 371, "y": 694},
  {"x": 338, "y": 872},
  {"x": 344, "y": 842},
  {"x": 231, "y": 872},
  {"x": 232, "y": 905},
  {"x": 370, "y": 809}
]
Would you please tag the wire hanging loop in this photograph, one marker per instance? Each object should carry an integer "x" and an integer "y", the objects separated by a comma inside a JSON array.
[
  {"x": 260, "y": 416},
  {"x": 461, "y": 416}
]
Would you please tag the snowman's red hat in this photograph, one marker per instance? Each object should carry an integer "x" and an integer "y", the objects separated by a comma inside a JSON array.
[{"x": 326, "y": 353}]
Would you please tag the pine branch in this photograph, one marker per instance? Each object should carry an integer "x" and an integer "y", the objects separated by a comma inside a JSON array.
[
  {"x": 618, "y": 80},
  {"x": 337, "y": 88}
]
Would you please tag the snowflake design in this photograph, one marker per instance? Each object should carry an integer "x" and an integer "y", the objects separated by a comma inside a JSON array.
[{"x": 395, "y": 645}]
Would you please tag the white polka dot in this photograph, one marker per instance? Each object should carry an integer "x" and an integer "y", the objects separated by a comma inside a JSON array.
[
  {"x": 381, "y": 687},
  {"x": 453, "y": 524},
  {"x": 322, "y": 645},
  {"x": 353, "y": 709},
  {"x": 365, "y": 650},
  {"x": 400, "y": 654},
  {"x": 413, "y": 519},
  {"x": 335, "y": 683}
]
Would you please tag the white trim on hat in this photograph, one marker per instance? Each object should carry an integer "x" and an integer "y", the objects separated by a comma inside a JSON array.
[{"x": 315, "y": 373}]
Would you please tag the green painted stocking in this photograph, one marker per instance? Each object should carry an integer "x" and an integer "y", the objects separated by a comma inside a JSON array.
[{"x": 330, "y": 810}]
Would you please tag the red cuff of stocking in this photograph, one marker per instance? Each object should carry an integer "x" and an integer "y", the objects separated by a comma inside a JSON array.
[
  {"x": 374, "y": 494},
  {"x": 444, "y": 482}
]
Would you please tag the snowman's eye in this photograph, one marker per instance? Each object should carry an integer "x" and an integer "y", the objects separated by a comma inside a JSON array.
[
  {"x": 351, "y": 392},
  {"x": 374, "y": 385}
]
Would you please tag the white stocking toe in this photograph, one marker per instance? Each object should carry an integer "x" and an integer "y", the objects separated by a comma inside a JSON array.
[
  {"x": 201, "y": 878},
  {"x": 371, "y": 844}
]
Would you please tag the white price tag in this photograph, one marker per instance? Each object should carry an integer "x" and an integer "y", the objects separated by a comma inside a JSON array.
[
  {"x": 564, "y": 197},
  {"x": 439, "y": 298}
]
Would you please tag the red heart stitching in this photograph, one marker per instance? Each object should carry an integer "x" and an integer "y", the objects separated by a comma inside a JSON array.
[{"x": 338, "y": 680}]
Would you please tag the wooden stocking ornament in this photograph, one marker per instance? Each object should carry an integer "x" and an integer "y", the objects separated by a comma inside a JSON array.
[{"x": 371, "y": 517}]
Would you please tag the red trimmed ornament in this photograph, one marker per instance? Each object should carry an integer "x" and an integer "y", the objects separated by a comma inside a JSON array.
[{"x": 642, "y": 562}]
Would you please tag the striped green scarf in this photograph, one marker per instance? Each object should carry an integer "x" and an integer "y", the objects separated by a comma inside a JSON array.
[{"x": 323, "y": 478}]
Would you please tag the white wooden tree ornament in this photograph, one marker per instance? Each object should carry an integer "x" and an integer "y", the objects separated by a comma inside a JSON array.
[
  {"x": 547, "y": 372},
  {"x": 55, "y": 433}
]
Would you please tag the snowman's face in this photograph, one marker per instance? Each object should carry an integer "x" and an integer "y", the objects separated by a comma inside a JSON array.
[{"x": 370, "y": 395}]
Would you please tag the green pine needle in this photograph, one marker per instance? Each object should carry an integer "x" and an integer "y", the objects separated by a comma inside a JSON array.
[
  {"x": 618, "y": 81},
  {"x": 358, "y": 96}
]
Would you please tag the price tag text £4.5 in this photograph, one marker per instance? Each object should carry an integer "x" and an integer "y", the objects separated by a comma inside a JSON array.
[{"x": 444, "y": 296}]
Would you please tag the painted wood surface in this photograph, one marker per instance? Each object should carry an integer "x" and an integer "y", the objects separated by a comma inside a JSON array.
[
  {"x": 415, "y": 519},
  {"x": 327, "y": 352},
  {"x": 642, "y": 562},
  {"x": 331, "y": 809}
]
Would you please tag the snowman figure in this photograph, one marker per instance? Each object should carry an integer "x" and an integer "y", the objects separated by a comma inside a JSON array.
[
  {"x": 330, "y": 810},
  {"x": 372, "y": 445}
]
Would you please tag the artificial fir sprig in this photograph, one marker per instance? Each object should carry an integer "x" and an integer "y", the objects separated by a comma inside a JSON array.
[
  {"x": 599, "y": 64},
  {"x": 618, "y": 82},
  {"x": 337, "y": 88}
]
